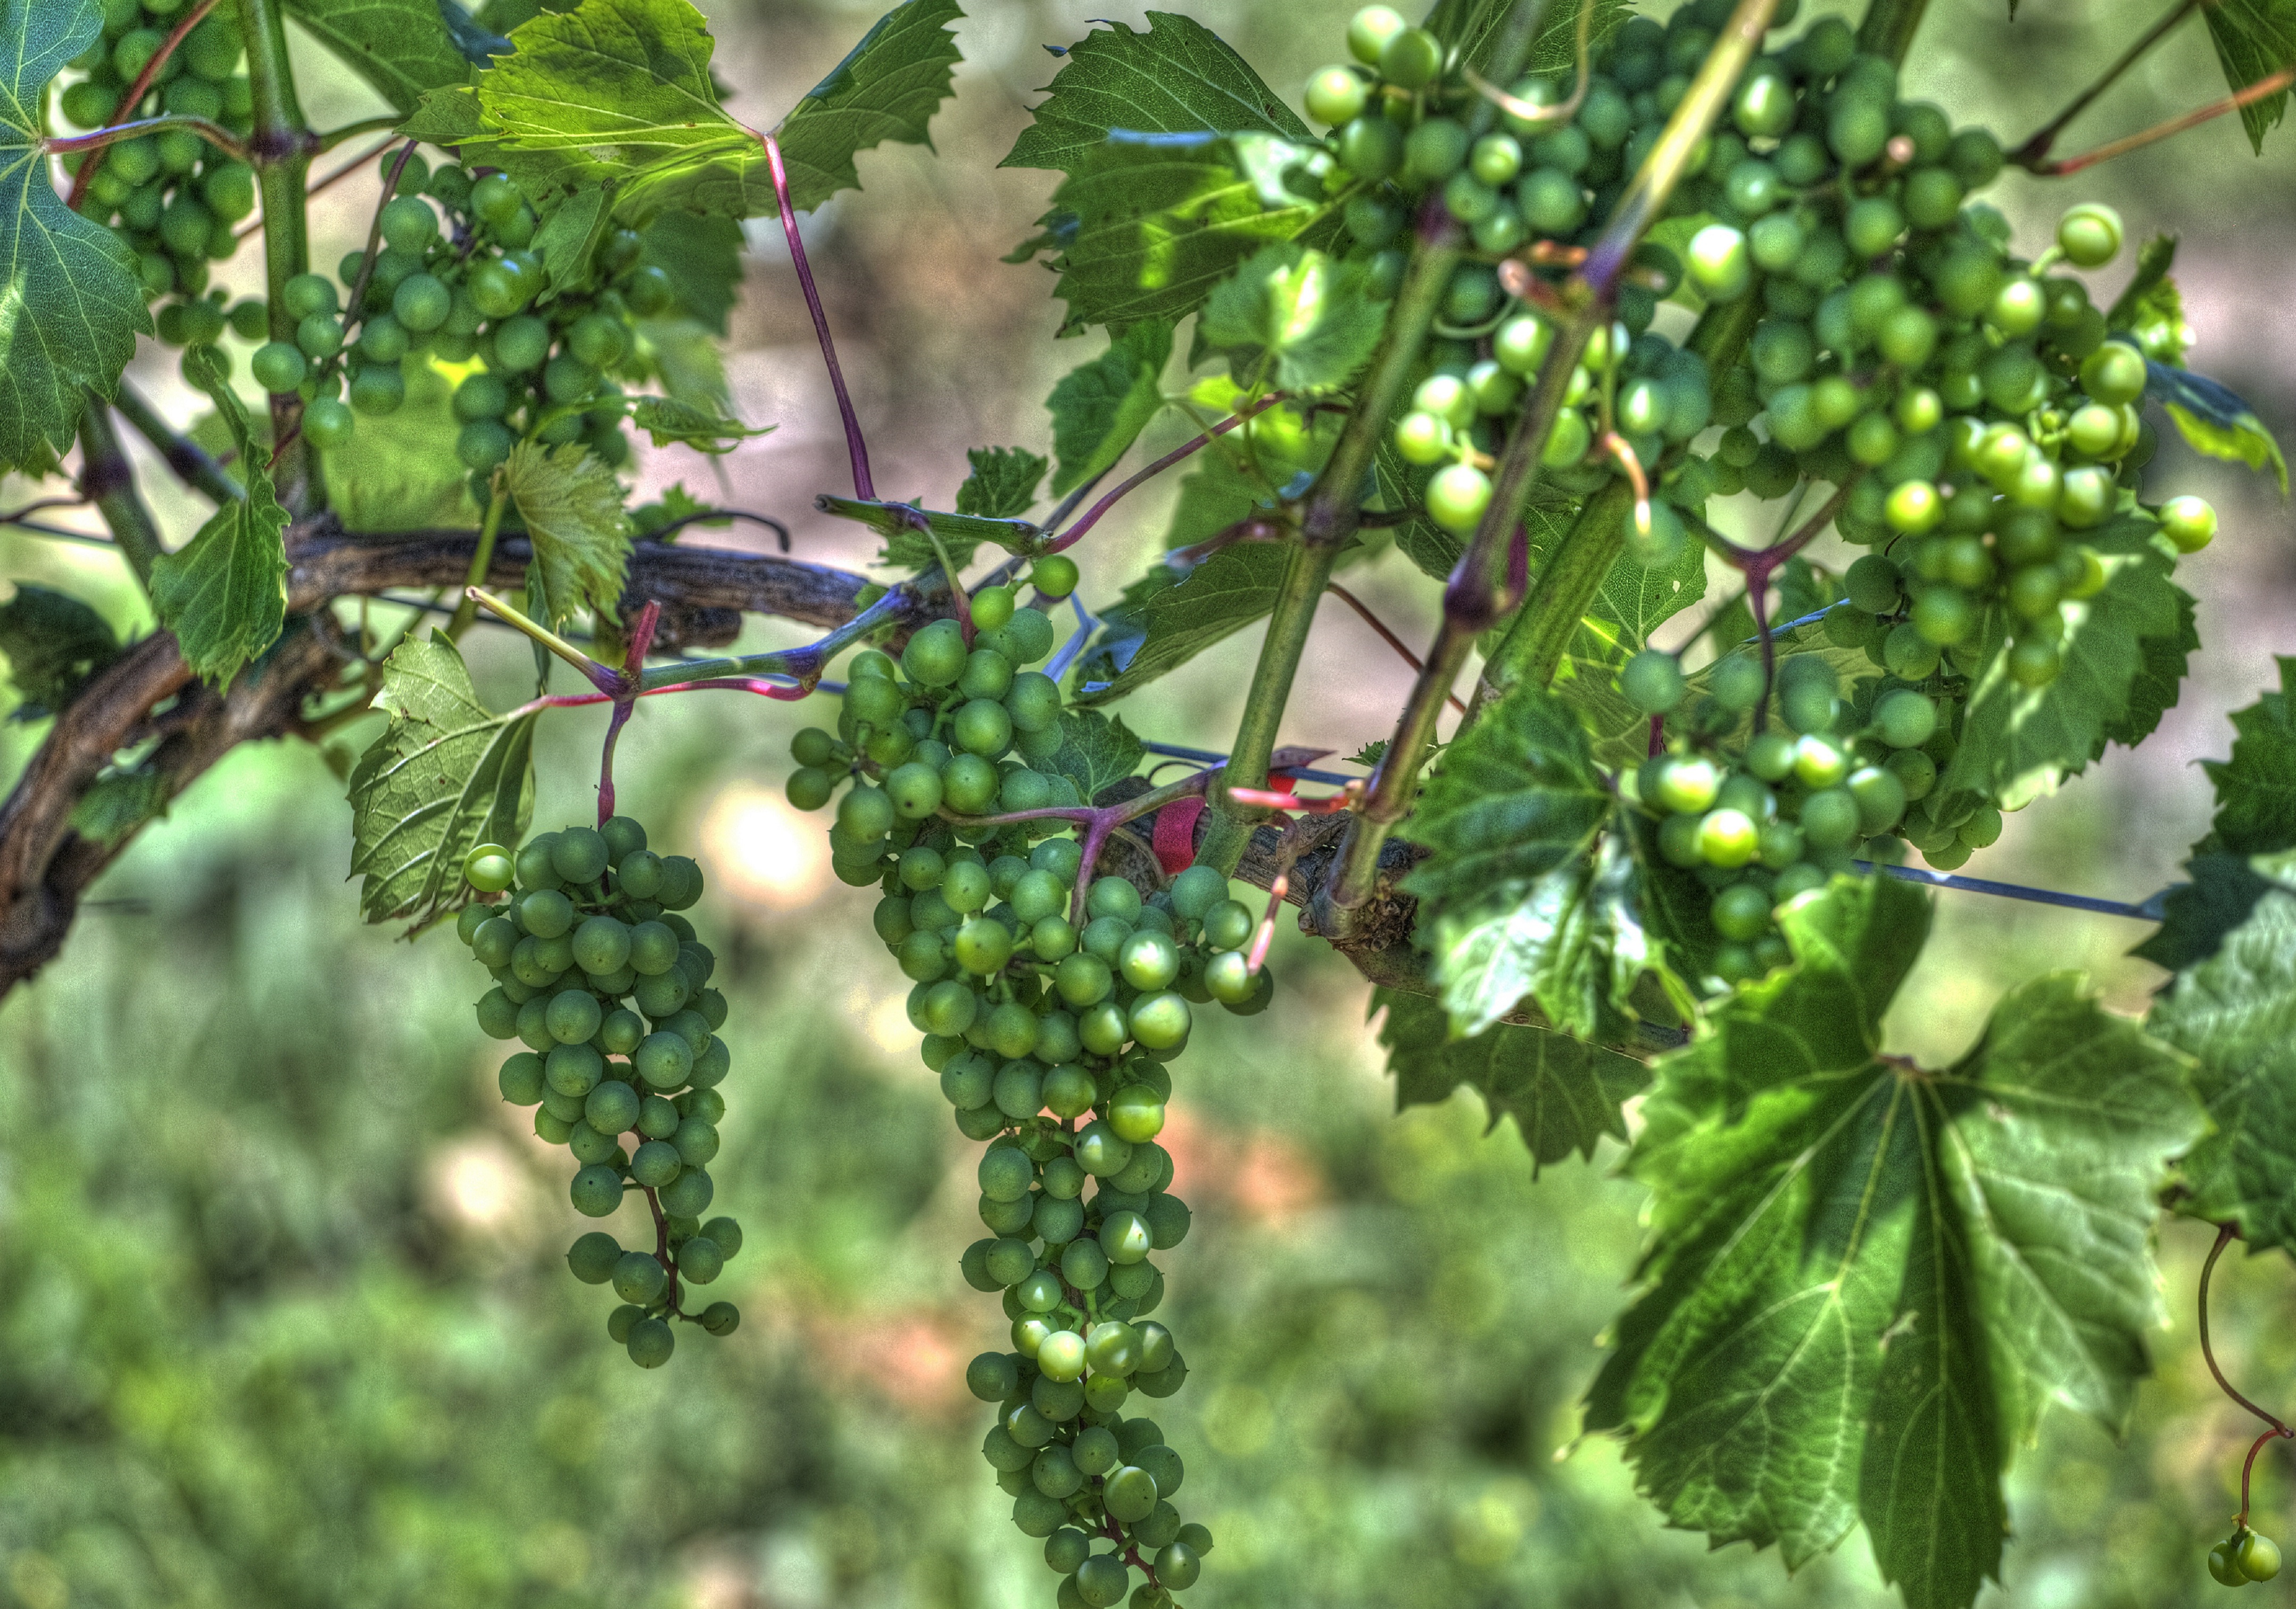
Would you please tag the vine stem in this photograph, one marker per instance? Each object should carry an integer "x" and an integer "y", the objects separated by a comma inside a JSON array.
[
  {"x": 108, "y": 480},
  {"x": 1092, "y": 515},
  {"x": 128, "y": 102},
  {"x": 2037, "y": 148},
  {"x": 190, "y": 463},
  {"x": 355, "y": 299},
  {"x": 2226, "y": 1234},
  {"x": 1385, "y": 632},
  {"x": 1470, "y": 598},
  {"x": 625, "y": 703},
  {"x": 1758, "y": 564},
  {"x": 864, "y": 486},
  {"x": 481, "y": 558},
  {"x": 103, "y": 139},
  {"x": 1098, "y": 822},
  {"x": 280, "y": 149},
  {"x": 327, "y": 181},
  {"x": 2257, "y": 90}
]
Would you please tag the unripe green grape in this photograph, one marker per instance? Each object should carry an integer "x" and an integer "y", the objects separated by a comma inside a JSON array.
[
  {"x": 1736, "y": 681},
  {"x": 2089, "y": 234},
  {"x": 1335, "y": 94},
  {"x": 2114, "y": 374},
  {"x": 1551, "y": 200},
  {"x": 327, "y": 422},
  {"x": 2224, "y": 1567},
  {"x": 1943, "y": 616},
  {"x": 279, "y": 367},
  {"x": 377, "y": 391},
  {"x": 721, "y": 1317},
  {"x": 1410, "y": 60},
  {"x": 408, "y": 224},
  {"x": 650, "y": 1342},
  {"x": 1370, "y": 30},
  {"x": 689, "y": 1194},
  {"x": 2189, "y": 521},
  {"x": 2034, "y": 662},
  {"x": 1687, "y": 786},
  {"x": 596, "y": 1190}
]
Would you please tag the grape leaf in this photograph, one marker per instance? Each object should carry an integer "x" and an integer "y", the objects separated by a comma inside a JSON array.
[
  {"x": 1563, "y": 1094},
  {"x": 2254, "y": 39},
  {"x": 667, "y": 420},
  {"x": 1274, "y": 454},
  {"x": 1294, "y": 318},
  {"x": 1164, "y": 620},
  {"x": 1159, "y": 219},
  {"x": 71, "y": 304},
  {"x": 702, "y": 257},
  {"x": 1866, "y": 1278},
  {"x": 2164, "y": 661},
  {"x": 2017, "y": 744},
  {"x": 568, "y": 240},
  {"x": 1099, "y": 408},
  {"x": 906, "y": 547},
  {"x": 403, "y": 48},
  {"x": 571, "y": 505},
  {"x": 617, "y": 94},
  {"x": 116, "y": 805},
  {"x": 1633, "y": 601},
  {"x": 224, "y": 594},
  {"x": 1507, "y": 898},
  {"x": 1178, "y": 76},
  {"x": 54, "y": 643},
  {"x": 447, "y": 775},
  {"x": 2212, "y": 419},
  {"x": 1003, "y": 484},
  {"x": 1475, "y": 25},
  {"x": 1095, "y": 750},
  {"x": 888, "y": 87},
  {"x": 2235, "y": 1014},
  {"x": 2255, "y": 815}
]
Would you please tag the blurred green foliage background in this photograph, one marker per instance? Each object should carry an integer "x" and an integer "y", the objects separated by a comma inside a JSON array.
[{"x": 283, "y": 1320}]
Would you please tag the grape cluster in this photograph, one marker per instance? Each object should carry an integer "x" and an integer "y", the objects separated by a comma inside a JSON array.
[
  {"x": 1050, "y": 1002},
  {"x": 173, "y": 197},
  {"x": 592, "y": 921},
  {"x": 2245, "y": 1555}
]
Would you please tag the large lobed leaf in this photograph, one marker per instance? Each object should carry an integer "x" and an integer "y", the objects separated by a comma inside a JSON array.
[
  {"x": 447, "y": 775},
  {"x": 1100, "y": 408},
  {"x": 1096, "y": 752},
  {"x": 572, "y": 507},
  {"x": 2254, "y": 39},
  {"x": 1003, "y": 484},
  {"x": 1164, "y": 620},
  {"x": 2235, "y": 1014},
  {"x": 224, "y": 594},
  {"x": 1474, "y": 26},
  {"x": 1866, "y": 1278},
  {"x": 1295, "y": 318},
  {"x": 1563, "y": 1094},
  {"x": 1178, "y": 76},
  {"x": 71, "y": 304},
  {"x": 616, "y": 94}
]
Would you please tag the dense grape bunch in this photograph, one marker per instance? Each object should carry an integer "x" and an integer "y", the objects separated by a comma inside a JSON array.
[
  {"x": 1970, "y": 404},
  {"x": 604, "y": 981},
  {"x": 1051, "y": 1003}
]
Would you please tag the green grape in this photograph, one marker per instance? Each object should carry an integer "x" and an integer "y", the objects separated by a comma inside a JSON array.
[
  {"x": 596, "y": 1191},
  {"x": 2189, "y": 521},
  {"x": 2258, "y": 1555},
  {"x": 594, "y": 1256},
  {"x": 2089, "y": 234},
  {"x": 650, "y": 1342}
]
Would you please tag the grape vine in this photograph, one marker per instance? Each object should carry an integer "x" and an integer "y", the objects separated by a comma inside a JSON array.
[{"x": 1573, "y": 311}]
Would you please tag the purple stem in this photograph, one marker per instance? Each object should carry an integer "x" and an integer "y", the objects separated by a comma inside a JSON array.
[
  {"x": 1093, "y": 515},
  {"x": 863, "y": 488},
  {"x": 625, "y": 703}
]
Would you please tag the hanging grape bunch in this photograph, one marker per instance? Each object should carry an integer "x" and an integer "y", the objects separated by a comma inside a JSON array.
[
  {"x": 2245, "y": 1555},
  {"x": 592, "y": 922},
  {"x": 172, "y": 196},
  {"x": 1050, "y": 1021},
  {"x": 1970, "y": 403}
]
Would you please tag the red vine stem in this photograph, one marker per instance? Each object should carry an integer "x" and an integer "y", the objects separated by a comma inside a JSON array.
[
  {"x": 2225, "y": 1234},
  {"x": 1097, "y": 821},
  {"x": 863, "y": 488},
  {"x": 2257, "y": 90},
  {"x": 1093, "y": 515},
  {"x": 1385, "y": 635},
  {"x": 1757, "y": 565},
  {"x": 135, "y": 96},
  {"x": 625, "y": 703}
]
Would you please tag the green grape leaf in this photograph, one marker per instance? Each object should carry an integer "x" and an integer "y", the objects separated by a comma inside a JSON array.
[
  {"x": 1564, "y": 1095},
  {"x": 1866, "y": 1278},
  {"x": 1095, "y": 750},
  {"x": 224, "y": 594},
  {"x": 1099, "y": 408},
  {"x": 906, "y": 547},
  {"x": 2255, "y": 815},
  {"x": 1804, "y": 589},
  {"x": 1150, "y": 223},
  {"x": 616, "y": 94},
  {"x": 668, "y": 419},
  {"x": 54, "y": 643},
  {"x": 447, "y": 775},
  {"x": 2149, "y": 306},
  {"x": 2235, "y": 1014},
  {"x": 888, "y": 87},
  {"x": 1474, "y": 27},
  {"x": 2164, "y": 661},
  {"x": 1632, "y": 603},
  {"x": 71, "y": 304},
  {"x": 1274, "y": 455},
  {"x": 1003, "y": 484},
  {"x": 702, "y": 257},
  {"x": 2254, "y": 39},
  {"x": 573, "y": 508},
  {"x": 1165, "y": 620},
  {"x": 1178, "y": 77},
  {"x": 2213, "y": 420},
  {"x": 688, "y": 360},
  {"x": 403, "y": 48},
  {"x": 568, "y": 240},
  {"x": 1294, "y": 318},
  {"x": 2018, "y": 743},
  {"x": 1512, "y": 900},
  {"x": 116, "y": 805}
]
